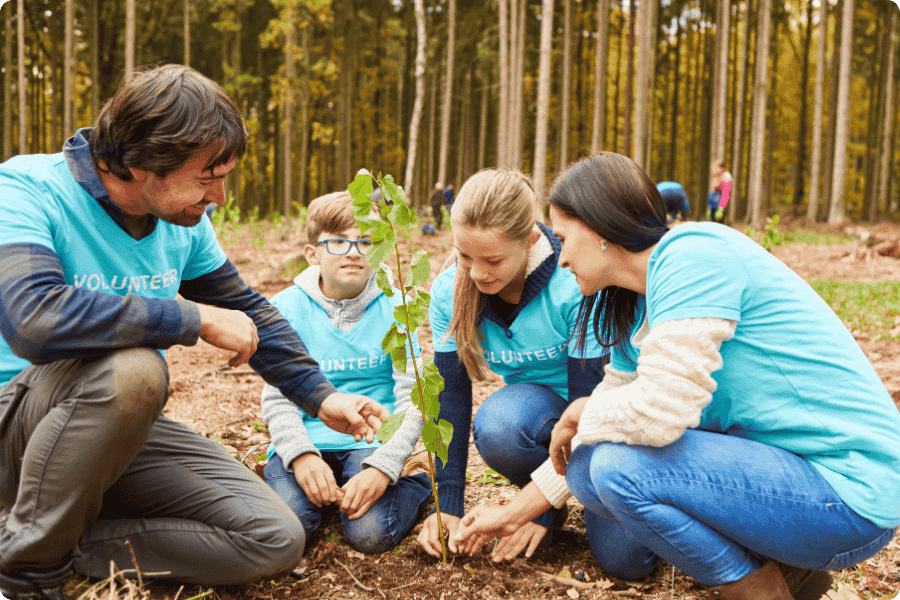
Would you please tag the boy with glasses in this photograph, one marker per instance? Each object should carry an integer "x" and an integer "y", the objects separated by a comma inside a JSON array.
[{"x": 337, "y": 307}]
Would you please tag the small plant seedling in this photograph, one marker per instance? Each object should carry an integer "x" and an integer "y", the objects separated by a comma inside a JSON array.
[
  {"x": 386, "y": 219},
  {"x": 771, "y": 236},
  {"x": 492, "y": 477}
]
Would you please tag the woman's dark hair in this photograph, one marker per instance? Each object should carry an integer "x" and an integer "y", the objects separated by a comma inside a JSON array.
[
  {"x": 611, "y": 195},
  {"x": 158, "y": 119}
]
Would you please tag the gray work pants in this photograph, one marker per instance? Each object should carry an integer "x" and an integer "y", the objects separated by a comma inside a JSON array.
[{"x": 87, "y": 463}]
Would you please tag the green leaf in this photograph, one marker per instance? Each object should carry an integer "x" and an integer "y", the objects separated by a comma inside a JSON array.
[
  {"x": 383, "y": 281},
  {"x": 361, "y": 187},
  {"x": 432, "y": 385},
  {"x": 446, "y": 429},
  {"x": 434, "y": 440},
  {"x": 379, "y": 253},
  {"x": 419, "y": 269},
  {"x": 389, "y": 427},
  {"x": 366, "y": 223},
  {"x": 401, "y": 216},
  {"x": 394, "y": 343}
]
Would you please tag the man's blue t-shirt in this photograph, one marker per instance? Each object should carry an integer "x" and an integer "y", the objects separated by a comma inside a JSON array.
[
  {"x": 793, "y": 376},
  {"x": 43, "y": 204}
]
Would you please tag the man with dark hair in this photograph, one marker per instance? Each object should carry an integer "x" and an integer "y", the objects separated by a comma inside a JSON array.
[{"x": 96, "y": 243}]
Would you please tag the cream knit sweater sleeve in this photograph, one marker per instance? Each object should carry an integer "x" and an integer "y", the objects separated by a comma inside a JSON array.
[{"x": 656, "y": 404}]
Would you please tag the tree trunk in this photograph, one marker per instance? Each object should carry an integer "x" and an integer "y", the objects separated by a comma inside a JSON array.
[
  {"x": 812, "y": 208},
  {"x": 287, "y": 118},
  {"x": 68, "y": 61},
  {"x": 448, "y": 92},
  {"x": 758, "y": 126},
  {"x": 885, "y": 168},
  {"x": 187, "y": 33},
  {"x": 7, "y": 89},
  {"x": 720, "y": 82},
  {"x": 842, "y": 132},
  {"x": 432, "y": 126},
  {"x": 598, "y": 132},
  {"x": 565, "y": 86},
  {"x": 503, "y": 67},
  {"x": 543, "y": 102},
  {"x": 519, "y": 88},
  {"x": 346, "y": 90},
  {"x": 482, "y": 127},
  {"x": 616, "y": 93},
  {"x": 629, "y": 82},
  {"x": 876, "y": 116},
  {"x": 737, "y": 141},
  {"x": 651, "y": 90},
  {"x": 302, "y": 195},
  {"x": 676, "y": 95},
  {"x": 799, "y": 170},
  {"x": 23, "y": 113},
  {"x": 129, "y": 38},
  {"x": 832, "y": 107},
  {"x": 773, "y": 123},
  {"x": 644, "y": 54},
  {"x": 463, "y": 145},
  {"x": 419, "y": 101}
]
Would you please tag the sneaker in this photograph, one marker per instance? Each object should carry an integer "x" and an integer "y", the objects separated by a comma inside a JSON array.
[
  {"x": 805, "y": 584},
  {"x": 42, "y": 585}
]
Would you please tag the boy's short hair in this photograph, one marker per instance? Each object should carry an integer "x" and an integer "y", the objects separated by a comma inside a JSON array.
[{"x": 329, "y": 213}]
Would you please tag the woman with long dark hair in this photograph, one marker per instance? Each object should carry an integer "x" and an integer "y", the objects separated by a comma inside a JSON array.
[{"x": 739, "y": 433}]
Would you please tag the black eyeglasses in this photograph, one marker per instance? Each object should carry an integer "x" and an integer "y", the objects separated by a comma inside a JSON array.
[{"x": 340, "y": 246}]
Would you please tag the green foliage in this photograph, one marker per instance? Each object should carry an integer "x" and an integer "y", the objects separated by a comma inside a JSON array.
[
  {"x": 806, "y": 236},
  {"x": 385, "y": 221},
  {"x": 871, "y": 309},
  {"x": 492, "y": 477},
  {"x": 226, "y": 220},
  {"x": 770, "y": 236}
]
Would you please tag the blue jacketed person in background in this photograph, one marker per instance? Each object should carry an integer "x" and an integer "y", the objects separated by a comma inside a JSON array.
[
  {"x": 675, "y": 199},
  {"x": 338, "y": 307},
  {"x": 96, "y": 243}
]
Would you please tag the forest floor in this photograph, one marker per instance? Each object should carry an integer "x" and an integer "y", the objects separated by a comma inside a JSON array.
[{"x": 223, "y": 404}]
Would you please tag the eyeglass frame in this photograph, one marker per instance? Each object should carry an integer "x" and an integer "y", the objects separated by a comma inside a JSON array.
[{"x": 349, "y": 248}]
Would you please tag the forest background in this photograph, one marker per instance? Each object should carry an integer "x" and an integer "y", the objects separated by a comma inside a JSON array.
[{"x": 433, "y": 90}]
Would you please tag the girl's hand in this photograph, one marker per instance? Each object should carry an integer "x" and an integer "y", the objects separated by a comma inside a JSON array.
[
  {"x": 315, "y": 478},
  {"x": 362, "y": 491},
  {"x": 563, "y": 432}
]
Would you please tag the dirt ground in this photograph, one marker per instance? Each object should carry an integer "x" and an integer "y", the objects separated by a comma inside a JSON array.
[{"x": 223, "y": 404}]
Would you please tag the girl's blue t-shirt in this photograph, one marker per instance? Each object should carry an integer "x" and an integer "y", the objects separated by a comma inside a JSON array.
[
  {"x": 43, "y": 204},
  {"x": 353, "y": 361},
  {"x": 793, "y": 376},
  {"x": 536, "y": 347}
]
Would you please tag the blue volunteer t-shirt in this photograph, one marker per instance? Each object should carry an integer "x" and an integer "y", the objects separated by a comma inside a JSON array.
[
  {"x": 353, "y": 361},
  {"x": 43, "y": 204},
  {"x": 536, "y": 347},
  {"x": 793, "y": 376}
]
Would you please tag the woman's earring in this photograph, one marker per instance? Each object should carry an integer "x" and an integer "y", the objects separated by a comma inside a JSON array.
[{"x": 603, "y": 245}]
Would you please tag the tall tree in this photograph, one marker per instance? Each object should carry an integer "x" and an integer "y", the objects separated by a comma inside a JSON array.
[
  {"x": 799, "y": 170},
  {"x": 287, "y": 127},
  {"x": 68, "y": 61},
  {"x": 7, "y": 88},
  {"x": 645, "y": 52},
  {"x": 482, "y": 127},
  {"x": 842, "y": 130},
  {"x": 305, "y": 26},
  {"x": 565, "y": 85},
  {"x": 503, "y": 67},
  {"x": 629, "y": 82},
  {"x": 23, "y": 114},
  {"x": 736, "y": 140},
  {"x": 885, "y": 167},
  {"x": 543, "y": 102},
  {"x": 598, "y": 132},
  {"x": 448, "y": 92},
  {"x": 720, "y": 81},
  {"x": 758, "y": 125},
  {"x": 832, "y": 107},
  {"x": 420, "y": 98},
  {"x": 812, "y": 207},
  {"x": 676, "y": 94},
  {"x": 129, "y": 38}
]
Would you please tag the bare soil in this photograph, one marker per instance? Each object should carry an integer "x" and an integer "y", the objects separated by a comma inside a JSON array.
[{"x": 223, "y": 404}]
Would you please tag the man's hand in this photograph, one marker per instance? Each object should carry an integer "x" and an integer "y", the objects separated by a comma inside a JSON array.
[
  {"x": 354, "y": 414},
  {"x": 230, "y": 330},
  {"x": 428, "y": 537},
  {"x": 362, "y": 491},
  {"x": 563, "y": 432},
  {"x": 315, "y": 478}
]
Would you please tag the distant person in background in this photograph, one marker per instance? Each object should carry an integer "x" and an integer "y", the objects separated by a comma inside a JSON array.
[
  {"x": 719, "y": 177},
  {"x": 448, "y": 197},
  {"x": 675, "y": 199},
  {"x": 437, "y": 200}
]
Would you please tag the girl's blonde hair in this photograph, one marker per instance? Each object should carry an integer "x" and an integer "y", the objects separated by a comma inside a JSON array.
[{"x": 503, "y": 200}]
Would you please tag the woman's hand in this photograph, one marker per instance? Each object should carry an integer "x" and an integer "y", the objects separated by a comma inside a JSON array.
[
  {"x": 563, "y": 432},
  {"x": 428, "y": 537},
  {"x": 362, "y": 491},
  {"x": 481, "y": 524},
  {"x": 527, "y": 537}
]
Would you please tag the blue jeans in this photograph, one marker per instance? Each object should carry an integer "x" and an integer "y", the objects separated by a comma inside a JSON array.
[
  {"x": 386, "y": 522},
  {"x": 715, "y": 506},
  {"x": 512, "y": 432},
  {"x": 712, "y": 204}
]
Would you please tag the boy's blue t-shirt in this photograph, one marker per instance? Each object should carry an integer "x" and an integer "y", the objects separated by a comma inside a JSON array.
[
  {"x": 536, "y": 346},
  {"x": 353, "y": 361},
  {"x": 793, "y": 376},
  {"x": 43, "y": 204}
]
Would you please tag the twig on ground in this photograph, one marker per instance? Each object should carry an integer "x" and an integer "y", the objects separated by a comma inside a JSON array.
[
  {"x": 629, "y": 593},
  {"x": 137, "y": 569},
  {"x": 352, "y": 576},
  {"x": 400, "y": 587},
  {"x": 203, "y": 595},
  {"x": 253, "y": 449},
  {"x": 178, "y": 593},
  {"x": 228, "y": 424}
]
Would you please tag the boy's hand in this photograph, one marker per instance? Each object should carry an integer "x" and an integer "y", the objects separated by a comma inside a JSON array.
[
  {"x": 354, "y": 414},
  {"x": 315, "y": 478},
  {"x": 362, "y": 491}
]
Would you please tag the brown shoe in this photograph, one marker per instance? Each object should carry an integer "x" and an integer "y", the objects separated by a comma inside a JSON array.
[
  {"x": 805, "y": 584},
  {"x": 766, "y": 583}
]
